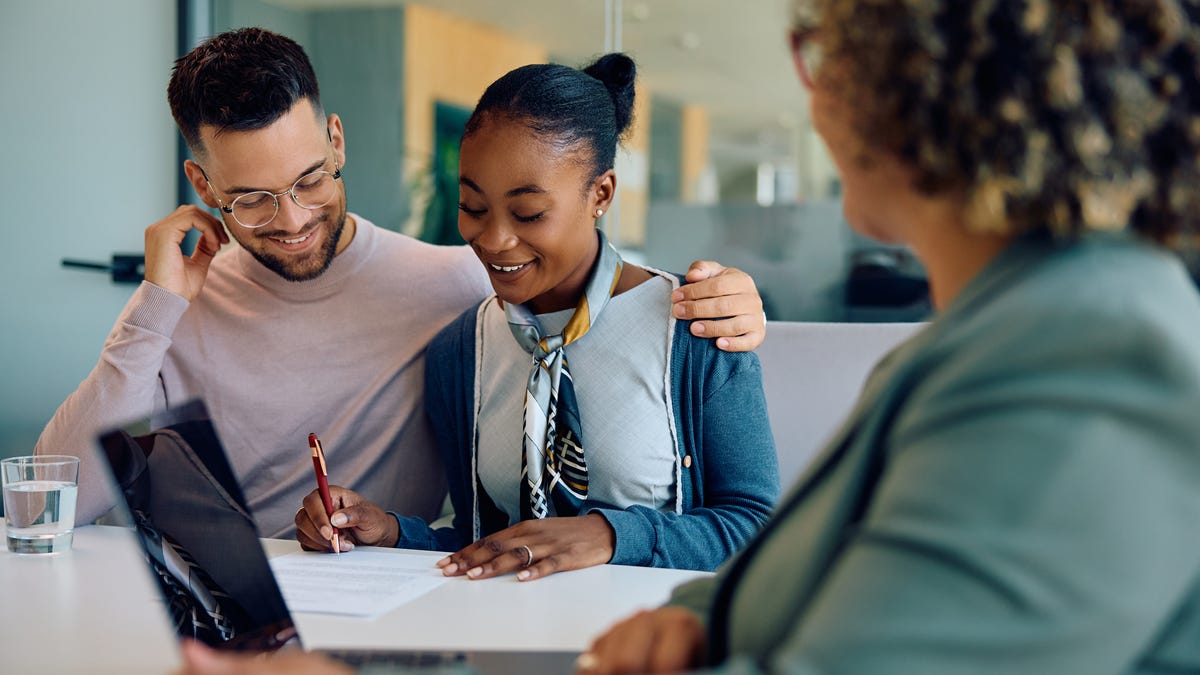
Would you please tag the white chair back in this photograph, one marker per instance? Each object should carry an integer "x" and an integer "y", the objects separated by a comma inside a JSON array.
[{"x": 812, "y": 375}]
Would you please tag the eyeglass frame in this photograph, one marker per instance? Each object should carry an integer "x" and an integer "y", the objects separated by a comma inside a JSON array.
[
  {"x": 801, "y": 38},
  {"x": 336, "y": 176}
]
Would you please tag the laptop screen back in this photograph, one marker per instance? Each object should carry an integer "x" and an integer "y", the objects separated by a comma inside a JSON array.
[
  {"x": 205, "y": 555},
  {"x": 197, "y": 532}
]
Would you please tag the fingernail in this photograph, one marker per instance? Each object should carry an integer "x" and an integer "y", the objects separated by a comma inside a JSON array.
[
  {"x": 443, "y": 562},
  {"x": 523, "y": 575},
  {"x": 723, "y": 343},
  {"x": 678, "y": 309},
  {"x": 677, "y": 296},
  {"x": 450, "y": 569},
  {"x": 474, "y": 572},
  {"x": 326, "y": 532},
  {"x": 698, "y": 329},
  {"x": 339, "y": 519},
  {"x": 586, "y": 661}
]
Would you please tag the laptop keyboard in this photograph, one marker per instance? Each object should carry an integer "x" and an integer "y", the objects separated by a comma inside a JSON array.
[{"x": 409, "y": 659}]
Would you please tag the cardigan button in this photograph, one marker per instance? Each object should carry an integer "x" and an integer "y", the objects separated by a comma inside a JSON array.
[{"x": 687, "y": 461}]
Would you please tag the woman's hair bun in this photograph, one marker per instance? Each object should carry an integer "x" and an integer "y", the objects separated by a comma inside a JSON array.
[{"x": 617, "y": 72}]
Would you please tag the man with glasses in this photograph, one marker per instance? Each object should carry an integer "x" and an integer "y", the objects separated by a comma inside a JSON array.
[
  {"x": 317, "y": 322},
  {"x": 255, "y": 209}
]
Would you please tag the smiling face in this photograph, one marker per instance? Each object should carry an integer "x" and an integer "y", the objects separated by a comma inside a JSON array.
[
  {"x": 527, "y": 207},
  {"x": 298, "y": 244}
]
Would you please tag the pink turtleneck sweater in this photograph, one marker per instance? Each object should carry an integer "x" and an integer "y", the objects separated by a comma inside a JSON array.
[{"x": 341, "y": 355}]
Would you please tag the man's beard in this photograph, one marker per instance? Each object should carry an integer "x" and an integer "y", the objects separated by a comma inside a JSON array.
[{"x": 325, "y": 254}]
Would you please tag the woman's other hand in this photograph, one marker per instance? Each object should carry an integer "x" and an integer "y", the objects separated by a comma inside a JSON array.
[
  {"x": 667, "y": 640},
  {"x": 536, "y": 548}
]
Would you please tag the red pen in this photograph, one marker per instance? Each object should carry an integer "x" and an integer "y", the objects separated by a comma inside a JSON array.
[{"x": 318, "y": 457}]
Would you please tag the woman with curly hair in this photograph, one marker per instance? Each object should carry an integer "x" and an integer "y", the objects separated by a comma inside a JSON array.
[{"x": 1018, "y": 489}]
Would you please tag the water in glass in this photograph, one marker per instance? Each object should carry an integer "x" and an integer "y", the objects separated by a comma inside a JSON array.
[
  {"x": 39, "y": 503},
  {"x": 41, "y": 515}
]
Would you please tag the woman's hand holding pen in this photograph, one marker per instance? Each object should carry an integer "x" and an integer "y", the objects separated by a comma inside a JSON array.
[
  {"x": 536, "y": 548},
  {"x": 359, "y": 520}
]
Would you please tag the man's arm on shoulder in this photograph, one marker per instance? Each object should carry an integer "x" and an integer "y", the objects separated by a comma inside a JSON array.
[
  {"x": 726, "y": 305},
  {"x": 124, "y": 385}
]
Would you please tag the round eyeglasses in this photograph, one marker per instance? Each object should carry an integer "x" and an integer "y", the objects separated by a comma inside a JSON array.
[{"x": 253, "y": 210}]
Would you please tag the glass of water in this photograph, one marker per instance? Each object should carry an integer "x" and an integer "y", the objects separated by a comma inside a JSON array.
[{"x": 39, "y": 502}]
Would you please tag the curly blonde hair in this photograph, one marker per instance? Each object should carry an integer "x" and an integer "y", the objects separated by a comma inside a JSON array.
[{"x": 1067, "y": 115}]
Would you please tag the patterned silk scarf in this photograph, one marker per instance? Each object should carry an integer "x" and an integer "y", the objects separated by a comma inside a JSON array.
[{"x": 553, "y": 467}]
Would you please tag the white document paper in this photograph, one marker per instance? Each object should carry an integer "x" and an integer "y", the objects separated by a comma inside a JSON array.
[{"x": 355, "y": 583}]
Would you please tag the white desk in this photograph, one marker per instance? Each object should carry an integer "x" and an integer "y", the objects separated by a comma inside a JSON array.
[{"x": 97, "y": 602}]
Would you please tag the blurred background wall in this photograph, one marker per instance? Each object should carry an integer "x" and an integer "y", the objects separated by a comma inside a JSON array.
[{"x": 90, "y": 161}]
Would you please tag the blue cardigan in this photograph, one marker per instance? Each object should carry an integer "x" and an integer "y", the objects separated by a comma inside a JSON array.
[{"x": 726, "y": 457}]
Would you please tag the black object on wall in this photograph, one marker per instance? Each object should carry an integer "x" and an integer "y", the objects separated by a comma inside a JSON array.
[
  {"x": 126, "y": 268},
  {"x": 886, "y": 284}
]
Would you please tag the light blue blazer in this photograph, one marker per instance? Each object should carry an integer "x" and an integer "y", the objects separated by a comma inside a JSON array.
[{"x": 1017, "y": 491}]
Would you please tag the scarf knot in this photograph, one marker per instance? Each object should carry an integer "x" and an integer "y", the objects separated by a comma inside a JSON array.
[{"x": 554, "y": 477}]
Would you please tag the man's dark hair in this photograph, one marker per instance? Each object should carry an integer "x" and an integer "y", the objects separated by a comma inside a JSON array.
[
  {"x": 591, "y": 108},
  {"x": 240, "y": 80}
]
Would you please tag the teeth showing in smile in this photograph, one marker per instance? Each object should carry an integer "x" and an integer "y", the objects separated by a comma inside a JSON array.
[
  {"x": 297, "y": 240},
  {"x": 507, "y": 268}
]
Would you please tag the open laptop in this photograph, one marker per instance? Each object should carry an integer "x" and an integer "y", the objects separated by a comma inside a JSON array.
[{"x": 203, "y": 550}]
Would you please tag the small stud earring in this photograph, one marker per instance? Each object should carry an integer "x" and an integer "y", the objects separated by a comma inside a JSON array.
[{"x": 599, "y": 212}]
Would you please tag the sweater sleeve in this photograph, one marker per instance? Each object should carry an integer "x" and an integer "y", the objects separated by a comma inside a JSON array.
[
  {"x": 723, "y": 427},
  {"x": 124, "y": 385}
]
